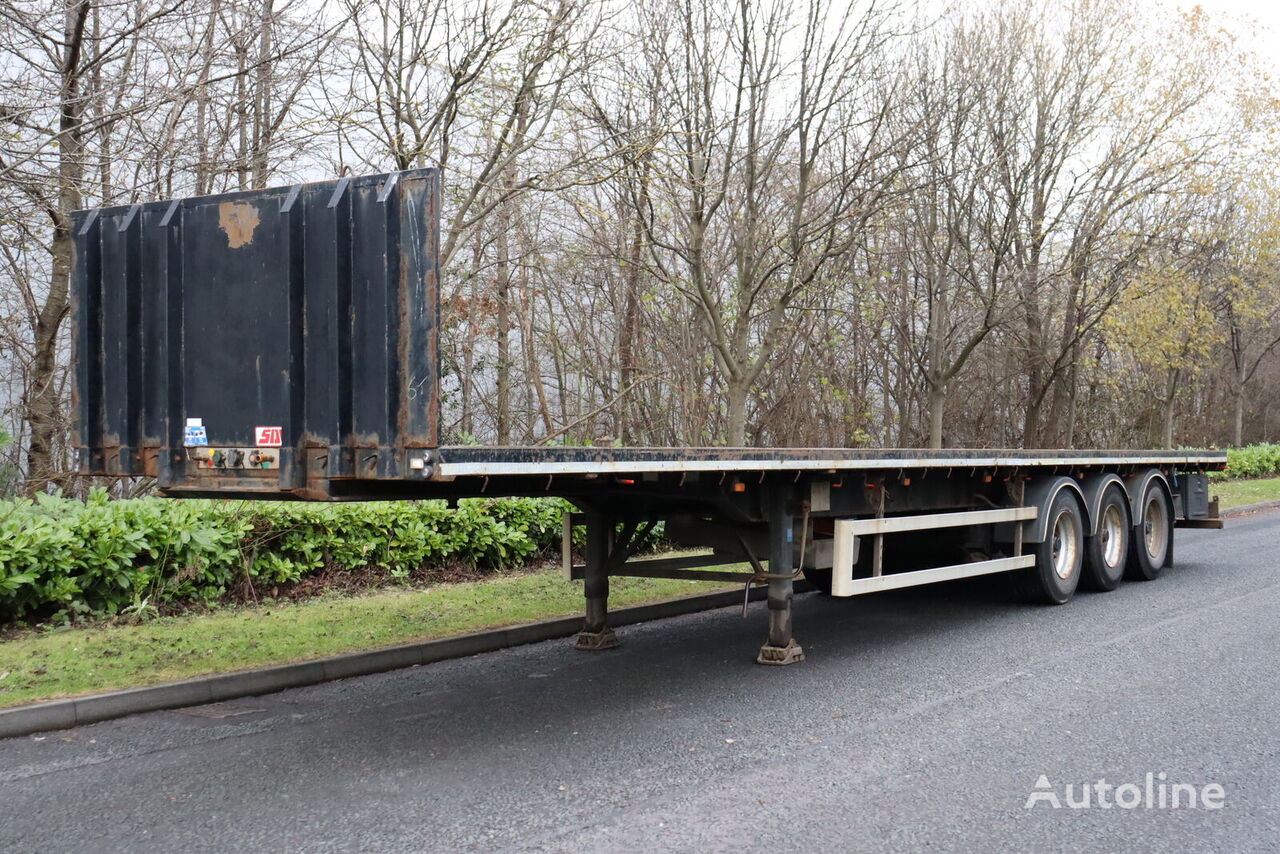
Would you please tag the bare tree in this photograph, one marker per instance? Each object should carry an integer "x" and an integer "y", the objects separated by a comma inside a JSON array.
[
  {"x": 954, "y": 240},
  {"x": 764, "y": 166}
]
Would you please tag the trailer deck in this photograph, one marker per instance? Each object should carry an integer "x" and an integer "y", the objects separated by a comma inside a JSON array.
[{"x": 469, "y": 461}]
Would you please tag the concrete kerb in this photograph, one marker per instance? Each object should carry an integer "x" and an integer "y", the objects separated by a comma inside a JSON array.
[{"x": 1245, "y": 509}]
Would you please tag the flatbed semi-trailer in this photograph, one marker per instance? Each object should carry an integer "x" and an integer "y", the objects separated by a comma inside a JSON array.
[{"x": 283, "y": 344}]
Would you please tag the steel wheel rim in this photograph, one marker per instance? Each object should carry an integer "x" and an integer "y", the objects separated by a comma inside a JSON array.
[
  {"x": 1066, "y": 548},
  {"x": 1112, "y": 534},
  {"x": 1155, "y": 528}
]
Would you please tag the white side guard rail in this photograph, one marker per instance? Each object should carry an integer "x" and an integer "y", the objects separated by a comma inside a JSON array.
[{"x": 847, "y": 532}]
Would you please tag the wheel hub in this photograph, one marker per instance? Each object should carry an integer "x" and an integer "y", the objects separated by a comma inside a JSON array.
[
  {"x": 1112, "y": 536},
  {"x": 1155, "y": 528},
  {"x": 1065, "y": 548}
]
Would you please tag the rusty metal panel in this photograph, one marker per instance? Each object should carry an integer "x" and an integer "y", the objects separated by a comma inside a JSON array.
[{"x": 312, "y": 308}]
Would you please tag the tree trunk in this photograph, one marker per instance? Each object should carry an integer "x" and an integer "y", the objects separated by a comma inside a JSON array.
[
  {"x": 1171, "y": 396},
  {"x": 628, "y": 332},
  {"x": 466, "y": 370},
  {"x": 262, "y": 97},
  {"x": 42, "y": 408},
  {"x": 1073, "y": 400},
  {"x": 937, "y": 400},
  {"x": 1034, "y": 366},
  {"x": 1033, "y": 317},
  {"x": 736, "y": 429},
  {"x": 42, "y": 404},
  {"x": 1237, "y": 430},
  {"x": 504, "y": 328}
]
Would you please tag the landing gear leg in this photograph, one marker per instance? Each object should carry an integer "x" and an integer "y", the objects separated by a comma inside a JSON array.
[
  {"x": 781, "y": 648},
  {"x": 596, "y": 634}
]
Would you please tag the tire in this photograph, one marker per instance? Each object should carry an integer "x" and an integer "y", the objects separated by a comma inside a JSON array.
[
  {"x": 1152, "y": 535},
  {"x": 1060, "y": 558},
  {"x": 1106, "y": 552}
]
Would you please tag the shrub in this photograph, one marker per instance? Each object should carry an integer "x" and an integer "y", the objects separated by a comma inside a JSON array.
[
  {"x": 65, "y": 558},
  {"x": 1261, "y": 460}
]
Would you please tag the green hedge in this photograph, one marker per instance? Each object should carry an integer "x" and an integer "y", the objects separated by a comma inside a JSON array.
[
  {"x": 1251, "y": 461},
  {"x": 61, "y": 558}
]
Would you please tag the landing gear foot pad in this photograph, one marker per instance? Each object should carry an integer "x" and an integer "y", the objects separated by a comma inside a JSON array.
[
  {"x": 792, "y": 653},
  {"x": 594, "y": 641}
]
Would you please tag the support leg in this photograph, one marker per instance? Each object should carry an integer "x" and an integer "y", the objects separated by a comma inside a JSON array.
[
  {"x": 596, "y": 633},
  {"x": 781, "y": 647}
]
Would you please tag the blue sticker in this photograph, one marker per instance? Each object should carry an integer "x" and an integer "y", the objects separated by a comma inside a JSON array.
[{"x": 195, "y": 436}]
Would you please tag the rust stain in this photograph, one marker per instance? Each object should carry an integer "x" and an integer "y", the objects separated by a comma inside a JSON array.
[
  {"x": 150, "y": 458},
  {"x": 239, "y": 220}
]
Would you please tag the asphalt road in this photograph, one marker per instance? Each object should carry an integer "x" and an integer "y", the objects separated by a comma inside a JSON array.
[{"x": 921, "y": 719}]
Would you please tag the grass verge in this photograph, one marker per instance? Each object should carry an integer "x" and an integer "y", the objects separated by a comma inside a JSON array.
[
  {"x": 65, "y": 662},
  {"x": 1233, "y": 493}
]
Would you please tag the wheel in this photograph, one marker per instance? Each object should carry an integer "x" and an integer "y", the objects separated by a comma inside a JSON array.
[
  {"x": 1105, "y": 552},
  {"x": 1056, "y": 573},
  {"x": 1152, "y": 534}
]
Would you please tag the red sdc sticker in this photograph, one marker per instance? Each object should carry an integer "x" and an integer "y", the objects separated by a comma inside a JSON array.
[{"x": 268, "y": 437}]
